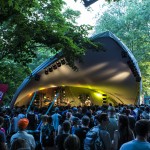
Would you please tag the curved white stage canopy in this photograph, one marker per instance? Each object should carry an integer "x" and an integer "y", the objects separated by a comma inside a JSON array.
[{"x": 114, "y": 72}]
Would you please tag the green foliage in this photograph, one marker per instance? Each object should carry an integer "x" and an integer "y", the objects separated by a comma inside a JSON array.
[
  {"x": 34, "y": 30},
  {"x": 130, "y": 21},
  {"x": 12, "y": 74},
  {"x": 24, "y": 24}
]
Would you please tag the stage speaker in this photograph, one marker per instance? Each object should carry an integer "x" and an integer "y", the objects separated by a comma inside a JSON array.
[{"x": 89, "y": 2}]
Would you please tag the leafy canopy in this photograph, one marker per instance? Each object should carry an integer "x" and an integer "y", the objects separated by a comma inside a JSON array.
[
  {"x": 130, "y": 21},
  {"x": 26, "y": 25}
]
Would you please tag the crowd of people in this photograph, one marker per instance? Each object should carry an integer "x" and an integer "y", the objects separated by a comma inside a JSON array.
[{"x": 107, "y": 127}]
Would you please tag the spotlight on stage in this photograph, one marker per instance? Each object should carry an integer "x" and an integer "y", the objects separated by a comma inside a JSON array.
[
  {"x": 58, "y": 64},
  {"x": 50, "y": 69},
  {"x": 88, "y": 2},
  {"x": 55, "y": 66},
  {"x": 63, "y": 61},
  {"x": 46, "y": 71}
]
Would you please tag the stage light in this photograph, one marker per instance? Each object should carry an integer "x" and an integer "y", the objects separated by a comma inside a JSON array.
[
  {"x": 89, "y": 2},
  {"x": 98, "y": 94},
  {"x": 55, "y": 67},
  {"x": 58, "y": 64},
  {"x": 104, "y": 102},
  {"x": 50, "y": 69},
  {"x": 46, "y": 71},
  {"x": 63, "y": 62}
]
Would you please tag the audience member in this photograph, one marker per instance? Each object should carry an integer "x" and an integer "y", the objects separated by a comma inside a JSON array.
[
  {"x": 66, "y": 126},
  {"x": 72, "y": 142},
  {"x": 112, "y": 126},
  {"x": 123, "y": 134},
  {"x": 82, "y": 130},
  {"x": 103, "y": 122},
  {"x": 22, "y": 134},
  {"x": 142, "y": 129}
]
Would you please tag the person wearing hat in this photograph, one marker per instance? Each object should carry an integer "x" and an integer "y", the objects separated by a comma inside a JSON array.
[{"x": 22, "y": 134}]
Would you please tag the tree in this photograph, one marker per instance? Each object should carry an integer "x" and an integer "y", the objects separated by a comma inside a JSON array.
[
  {"x": 29, "y": 29},
  {"x": 130, "y": 21},
  {"x": 26, "y": 25},
  {"x": 12, "y": 74}
]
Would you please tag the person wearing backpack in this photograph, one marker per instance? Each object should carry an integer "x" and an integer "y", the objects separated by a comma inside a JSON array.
[
  {"x": 20, "y": 144},
  {"x": 98, "y": 138},
  {"x": 82, "y": 130},
  {"x": 66, "y": 126},
  {"x": 47, "y": 133},
  {"x": 22, "y": 134}
]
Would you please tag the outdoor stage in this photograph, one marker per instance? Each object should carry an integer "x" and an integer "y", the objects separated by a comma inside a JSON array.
[{"x": 113, "y": 75}]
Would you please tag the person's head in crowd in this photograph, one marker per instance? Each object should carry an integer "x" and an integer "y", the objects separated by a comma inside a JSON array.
[
  {"x": 123, "y": 111},
  {"x": 110, "y": 104},
  {"x": 23, "y": 123},
  {"x": 32, "y": 108},
  {"x": 123, "y": 122},
  {"x": 70, "y": 110},
  {"x": 102, "y": 119},
  {"x": 75, "y": 121},
  {"x": 142, "y": 108},
  {"x": 147, "y": 109},
  {"x": 56, "y": 110},
  {"x": 104, "y": 108},
  {"x": 44, "y": 118},
  {"x": 89, "y": 113},
  {"x": 142, "y": 128},
  {"x": 72, "y": 142},
  {"x": 85, "y": 120},
  {"x": 1, "y": 121},
  {"x": 128, "y": 112},
  {"x": 49, "y": 119},
  {"x": 84, "y": 110},
  {"x": 145, "y": 113},
  {"x": 75, "y": 110},
  {"x": 15, "y": 113},
  {"x": 111, "y": 111},
  {"x": 66, "y": 126},
  {"x": 68, "y": 115}
]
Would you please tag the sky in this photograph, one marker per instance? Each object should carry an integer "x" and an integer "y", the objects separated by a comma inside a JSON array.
[{"x": 87, "y": 17}]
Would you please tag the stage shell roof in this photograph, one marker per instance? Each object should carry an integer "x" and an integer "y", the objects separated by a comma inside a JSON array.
[{"x": 114, "y": 71}]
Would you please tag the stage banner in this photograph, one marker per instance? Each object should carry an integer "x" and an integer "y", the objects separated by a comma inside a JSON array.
[{"x": 3, "y": 90}]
